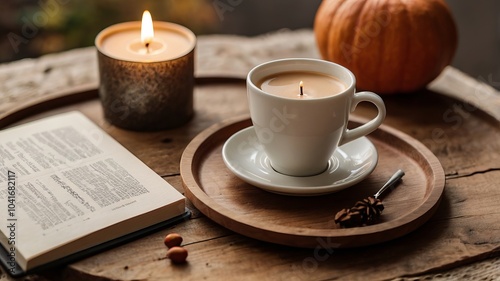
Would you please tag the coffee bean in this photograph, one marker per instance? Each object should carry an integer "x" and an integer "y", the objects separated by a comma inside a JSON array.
[
  {"x": 177, "y": 254},
  {"x": 172, "y": 240}
]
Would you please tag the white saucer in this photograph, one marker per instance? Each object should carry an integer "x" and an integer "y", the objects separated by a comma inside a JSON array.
[{"x": 350, "y": 164}]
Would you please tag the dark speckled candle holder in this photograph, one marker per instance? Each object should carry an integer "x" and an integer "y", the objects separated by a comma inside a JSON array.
[{"x": 146, "y": 95}]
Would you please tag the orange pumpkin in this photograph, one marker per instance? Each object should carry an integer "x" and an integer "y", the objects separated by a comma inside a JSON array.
[{"x": 391, "y": 46}]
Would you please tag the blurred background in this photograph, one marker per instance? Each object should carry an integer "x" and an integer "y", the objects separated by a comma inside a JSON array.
[{"x": 31, "y": 28}]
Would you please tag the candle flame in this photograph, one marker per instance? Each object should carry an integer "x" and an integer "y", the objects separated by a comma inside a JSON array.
[
  {"x": 147, "y": 31},
  {"x": 301, "y": 86}
]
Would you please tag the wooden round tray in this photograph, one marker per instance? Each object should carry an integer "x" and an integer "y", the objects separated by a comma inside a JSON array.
[{"x": 308, "y": 221}]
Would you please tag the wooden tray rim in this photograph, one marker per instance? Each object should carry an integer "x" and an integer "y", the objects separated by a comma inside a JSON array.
[{"x": 218, "y": 213}]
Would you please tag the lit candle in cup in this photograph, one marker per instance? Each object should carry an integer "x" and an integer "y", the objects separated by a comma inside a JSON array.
[
  {"x": 299, "y": 134},
  {"x": 146, "y": 74}
]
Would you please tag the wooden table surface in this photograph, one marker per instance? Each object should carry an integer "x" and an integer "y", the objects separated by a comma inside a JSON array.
[{"x": 462, "y": 240}]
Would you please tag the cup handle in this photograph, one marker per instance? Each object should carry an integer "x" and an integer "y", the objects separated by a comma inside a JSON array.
[{"x": 373, "y": 124}]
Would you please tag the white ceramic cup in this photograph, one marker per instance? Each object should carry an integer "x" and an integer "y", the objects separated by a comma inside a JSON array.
[{"x": 299, "y": 136}]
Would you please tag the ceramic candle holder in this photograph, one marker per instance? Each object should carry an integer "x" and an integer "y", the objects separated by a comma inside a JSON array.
[{"x": 146, "y": 91}]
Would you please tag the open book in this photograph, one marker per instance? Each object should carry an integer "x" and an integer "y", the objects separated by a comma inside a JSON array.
[{"x": 66, "y": 187}]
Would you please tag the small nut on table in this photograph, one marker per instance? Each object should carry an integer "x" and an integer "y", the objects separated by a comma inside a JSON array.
[
  {"x": 172, "y": 240},
  {"x": 177, "y": 254}
]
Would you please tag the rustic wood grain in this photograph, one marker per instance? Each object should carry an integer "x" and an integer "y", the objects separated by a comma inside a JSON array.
[
  {"x": 465, "y": 140},
  {"x": 454, "y": 235},
  {"x": 471, "y": 92}
]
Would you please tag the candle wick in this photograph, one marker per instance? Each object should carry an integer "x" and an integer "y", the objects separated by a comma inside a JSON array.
[
  {"x": 301, "y": 86},
  {"x": 147, "y": 48}
]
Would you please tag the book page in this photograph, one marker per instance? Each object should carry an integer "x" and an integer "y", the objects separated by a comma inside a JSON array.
[{"x": 63, "y": 178}]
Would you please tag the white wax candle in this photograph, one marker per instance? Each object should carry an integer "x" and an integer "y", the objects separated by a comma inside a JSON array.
[
  {"x": 123, "y": 42},
  {"x": 301, "y": 84}
]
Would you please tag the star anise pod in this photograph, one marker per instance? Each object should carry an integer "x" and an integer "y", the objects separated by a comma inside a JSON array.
[
  {"x": 364, "y": 212},
  {"x": 368, "y": 210}
]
